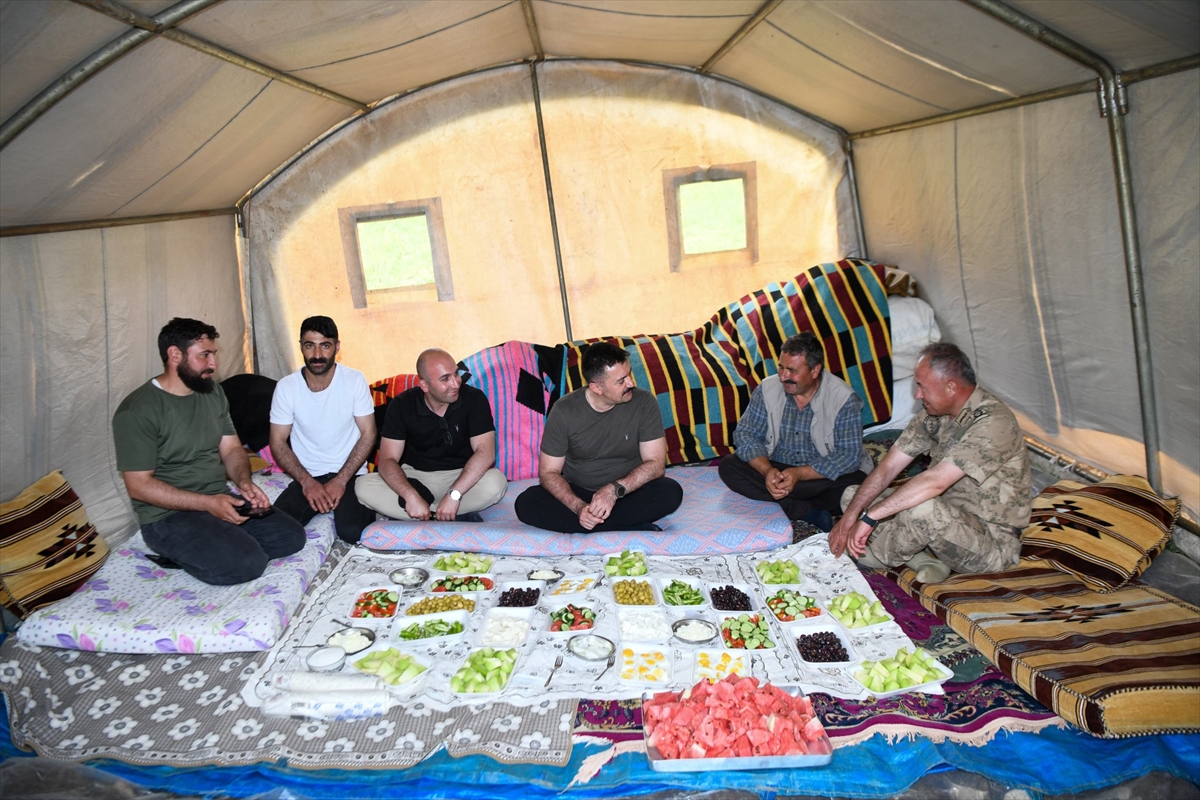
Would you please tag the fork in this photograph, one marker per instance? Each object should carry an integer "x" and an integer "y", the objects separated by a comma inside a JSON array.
[
  {"x": 612, "y": 659},
  {"x": 557, "y": 664}
]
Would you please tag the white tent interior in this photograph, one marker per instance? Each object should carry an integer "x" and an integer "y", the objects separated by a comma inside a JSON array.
[{"x": 193, "y": 159}]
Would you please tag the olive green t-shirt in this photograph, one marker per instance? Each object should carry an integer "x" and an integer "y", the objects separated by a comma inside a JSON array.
[
  {"x": 179, "y": 438},
  {"x": 600, "y": 447}
]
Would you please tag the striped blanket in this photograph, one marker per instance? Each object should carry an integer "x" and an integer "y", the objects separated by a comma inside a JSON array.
[{"x": 703, "y": 378}]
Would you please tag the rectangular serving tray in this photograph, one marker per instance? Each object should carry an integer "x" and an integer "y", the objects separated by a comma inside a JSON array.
[{"x": 660, "y": 764}]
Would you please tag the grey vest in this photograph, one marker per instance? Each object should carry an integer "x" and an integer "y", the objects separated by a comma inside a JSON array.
[{"x": 831, "y": 395}]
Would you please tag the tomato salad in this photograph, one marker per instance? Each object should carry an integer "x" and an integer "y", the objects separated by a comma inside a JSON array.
[
  {"x": 572, "y": 618},
  {"x": 463, "y": 583},
  {"x": 375, "y": 603}
]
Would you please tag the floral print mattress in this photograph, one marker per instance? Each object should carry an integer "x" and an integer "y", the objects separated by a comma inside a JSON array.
[{"x": 131, "y": 605}]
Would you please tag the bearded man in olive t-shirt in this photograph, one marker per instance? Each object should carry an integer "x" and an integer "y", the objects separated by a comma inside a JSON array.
[
  {"x": 603, "y": 455},
  {"x": 175, "y": 447}
]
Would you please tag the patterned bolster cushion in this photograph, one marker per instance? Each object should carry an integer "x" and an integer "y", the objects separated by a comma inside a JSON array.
[
  {"x": 1105, "y": 534},
  {"x": 48, "y": 547}
]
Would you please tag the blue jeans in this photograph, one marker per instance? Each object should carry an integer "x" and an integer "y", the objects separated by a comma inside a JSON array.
[{"x": 219, "y": 553}]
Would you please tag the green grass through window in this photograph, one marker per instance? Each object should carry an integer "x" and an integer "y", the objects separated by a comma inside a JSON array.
[
  {"x": 713, "y": 216},
  {"x": 395, "y": 252}
]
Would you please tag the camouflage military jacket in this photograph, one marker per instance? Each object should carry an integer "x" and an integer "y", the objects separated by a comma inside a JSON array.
[{"x": 985, "y": 442}]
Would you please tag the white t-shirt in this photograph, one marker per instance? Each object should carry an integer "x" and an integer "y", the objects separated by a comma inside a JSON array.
[{"x": 323, "y": 427}]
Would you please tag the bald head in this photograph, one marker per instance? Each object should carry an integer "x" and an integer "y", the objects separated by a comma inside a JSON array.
[
  {"x": 428, "y": 358},
  {"x": 439, "y": 378}
]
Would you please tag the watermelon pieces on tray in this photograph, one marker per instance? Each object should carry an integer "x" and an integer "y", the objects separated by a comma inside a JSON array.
[{"x": 734, "y": 723}]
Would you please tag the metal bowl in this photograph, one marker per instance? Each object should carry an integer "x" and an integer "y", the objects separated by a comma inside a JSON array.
[
  {"x": 326, "y": 659},
  {"x": 558, "y": 575},
  {"x": 584, "y": 639},
  {"x": 409, "y": 577},
  {"x": 715, "y": 631},
  {"x": 332, "y": 641}
]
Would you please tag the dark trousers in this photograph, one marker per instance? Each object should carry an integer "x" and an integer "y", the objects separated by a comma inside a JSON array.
[
  {"x": 221, "y": 553},
  {"x": 824, "y": 493},
  {"x": 633, "y": 512},
  {"x": 349, "y": 518}
]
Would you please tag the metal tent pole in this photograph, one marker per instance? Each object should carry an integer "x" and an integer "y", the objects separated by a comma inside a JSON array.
[
  {"x": 562, "y": 280},
  {"x": 1113, "y": 105}
]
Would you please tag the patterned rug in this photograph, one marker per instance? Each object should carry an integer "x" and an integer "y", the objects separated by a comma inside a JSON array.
[{"x": 978, "y": 703}]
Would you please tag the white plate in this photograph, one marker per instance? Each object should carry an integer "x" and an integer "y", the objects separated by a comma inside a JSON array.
[
  {"x": 523, "y": 614},
  {"x": 410, "y": 602},
  {"x": 611, "y": 585},
  {"x": 771, "y": 634},
  {"x": 643, "y": 665},
  {"x": 695, "y": 583},
  {"x": 379, "y": 647},
  {"x": 824, "y": 604},
  {"x": 444, "y": 577},
  {"x": 489, "y": 695},
  {"x": 795, "y": 630},
  {"x": 744, "y": 588},
  {"x": 350, "y": 615},
  {"x": 771, "y": 588},
  {"x": 459, "y": 615},
  {"x": 716, "y": 664},
  {"x": 604, "y": 561},
  {"x": 537, "y": 586},
  {"x": 947, "y": 674},
  {"x": 559, "y": 605},
  {"x": 490, "y": 563},
  {"x": 571, "y": 585},
  {"x": 634, "y": 632}
]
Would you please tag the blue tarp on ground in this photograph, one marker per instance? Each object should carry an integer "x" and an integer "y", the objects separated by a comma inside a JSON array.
[{"x": 873, "y": 769}]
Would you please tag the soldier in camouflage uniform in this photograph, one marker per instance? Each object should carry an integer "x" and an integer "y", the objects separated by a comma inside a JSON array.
[{"x": 965, "y": 513}]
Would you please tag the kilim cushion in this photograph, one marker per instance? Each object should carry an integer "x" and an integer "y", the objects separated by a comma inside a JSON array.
[
  {"x": 1105, "y": 534},
  {"x": 48, "y": 547},
  {"x": 1115, "y": 664}
]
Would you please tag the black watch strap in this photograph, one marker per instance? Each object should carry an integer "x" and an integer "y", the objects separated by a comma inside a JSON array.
[{"x": 864, "y": 517}]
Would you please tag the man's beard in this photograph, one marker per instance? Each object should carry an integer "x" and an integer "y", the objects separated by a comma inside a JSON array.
[
  {"x": 318, "y": 368},
  {"x": 194, "y": 381}
]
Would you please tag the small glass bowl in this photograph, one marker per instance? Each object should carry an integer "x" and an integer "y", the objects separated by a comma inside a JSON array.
[
  {"x": 584, "y": 639},
  {"x": 556, "y": 577},
  {"x": 326, "y": 659},
  {"x": 367, "y": 632},
  {"x": 409, "y": 577},
  {"x": 715, "y": 632}
]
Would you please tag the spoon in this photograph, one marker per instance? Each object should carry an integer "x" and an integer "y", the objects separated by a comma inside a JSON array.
[{"x": 557, "y": 664}]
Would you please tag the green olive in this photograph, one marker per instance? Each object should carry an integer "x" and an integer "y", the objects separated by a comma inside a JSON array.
[{"x": 433, "y": 605}]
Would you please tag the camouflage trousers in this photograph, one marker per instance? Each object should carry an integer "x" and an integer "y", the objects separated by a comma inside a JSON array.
[{"x": 958, "y": 538}]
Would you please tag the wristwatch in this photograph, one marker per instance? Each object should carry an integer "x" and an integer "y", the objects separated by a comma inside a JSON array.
[
  {"x": 620, "y": 489},
  {"x": 863, "y": 517},
  {"x": 455, "y": 495}
]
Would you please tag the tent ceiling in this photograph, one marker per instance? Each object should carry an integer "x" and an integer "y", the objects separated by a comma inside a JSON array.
[{"x": 167, "y": 129}]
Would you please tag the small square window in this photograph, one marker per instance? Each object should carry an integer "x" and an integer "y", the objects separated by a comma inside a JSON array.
[
  {"x": 395, "y": 253},
  {"x": 396, "y": 247},
  {"x": 712, "y": 215}
]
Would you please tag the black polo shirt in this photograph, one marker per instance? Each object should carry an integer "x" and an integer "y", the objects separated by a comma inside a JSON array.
[{"x": 409, "y": 420}]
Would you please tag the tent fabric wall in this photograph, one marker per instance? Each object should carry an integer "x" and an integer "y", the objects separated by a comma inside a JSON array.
[
  {"x": 79, "y": 319},
  {"x": 1009, "y": 221},
  {"x": 611, "y": 130}
]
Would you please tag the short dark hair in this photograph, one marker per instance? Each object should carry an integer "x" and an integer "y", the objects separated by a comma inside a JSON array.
[
  {"x": 598, "y": 358},
  {"x": 804, "y": 344},
  {"x": 322, "y": 325},
  {"x": 182, "y": 332},
  {"x": 947, "y": 360}
]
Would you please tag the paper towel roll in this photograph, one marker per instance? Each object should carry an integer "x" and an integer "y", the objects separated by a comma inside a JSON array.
[
  {"x": 324, "y": 682},
  {"x": 329, "y": 705}
]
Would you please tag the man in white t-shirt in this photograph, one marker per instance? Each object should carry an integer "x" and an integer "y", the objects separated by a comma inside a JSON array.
[{"x": 322, "y": 430}]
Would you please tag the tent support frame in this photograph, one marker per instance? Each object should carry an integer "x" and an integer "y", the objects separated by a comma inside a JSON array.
[
  {"x": 1113, "y": 105},
  {"x": 92, "y": 224},
  {"x": 562, "y": 279}
]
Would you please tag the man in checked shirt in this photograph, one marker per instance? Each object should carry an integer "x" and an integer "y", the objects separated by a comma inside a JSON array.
[{"x": 800, "y": 441}]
